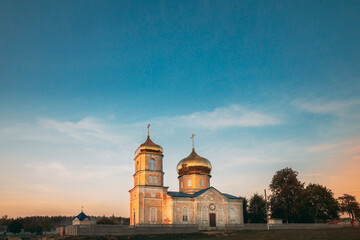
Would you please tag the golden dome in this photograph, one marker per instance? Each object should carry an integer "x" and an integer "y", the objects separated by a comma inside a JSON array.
[
  {"x": 149, "y": 147},
  {"x": 194, "y": 164}
]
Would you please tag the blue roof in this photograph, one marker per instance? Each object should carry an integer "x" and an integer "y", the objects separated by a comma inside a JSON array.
[
  {"x": 186, "y": 195},
  {"x": 179, "y": 194},
  {"x": 81, "y": 216}
]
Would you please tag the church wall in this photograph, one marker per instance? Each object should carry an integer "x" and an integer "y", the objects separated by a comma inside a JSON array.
[
  {"x": 221, "y": 205},
  {"x": 135, "y": 202},
  {"x": 182, "y": 205},
  {"x": 168, "y": 209},
  {"x": 235, "y": 212},
  {"x": 147, "y": 203},
  {"x": 76, "y": 221}
]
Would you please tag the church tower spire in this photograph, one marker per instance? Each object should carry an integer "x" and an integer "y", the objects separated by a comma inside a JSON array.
[{"x": 192, "y": 137}]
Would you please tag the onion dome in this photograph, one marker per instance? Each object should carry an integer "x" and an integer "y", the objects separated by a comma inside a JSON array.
[
  {"x": 149, "y": 147},
  {"x": 194, "y": 164}
]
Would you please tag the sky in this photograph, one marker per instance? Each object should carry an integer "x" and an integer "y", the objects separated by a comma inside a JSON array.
[{"x": 263, "y": 85}]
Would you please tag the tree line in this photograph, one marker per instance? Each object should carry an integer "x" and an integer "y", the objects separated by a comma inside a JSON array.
[
  {"x": 39, "y": 224},
  {"x": 292, "y": 202}
]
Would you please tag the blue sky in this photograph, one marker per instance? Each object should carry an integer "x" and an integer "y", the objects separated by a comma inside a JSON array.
[{"x": 262, "y": 84}]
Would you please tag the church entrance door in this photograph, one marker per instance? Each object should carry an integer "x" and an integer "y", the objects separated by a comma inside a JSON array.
[{"x": 212, "y": 217}]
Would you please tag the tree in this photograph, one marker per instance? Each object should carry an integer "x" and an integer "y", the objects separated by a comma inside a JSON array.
[
  {"x": 15, "y": 226},
  {"x": 320, "y": 204},
  {"x": 5, "y": 220},
  {"x": 39, "y": 230},
  {"x": 348, "y": 204},
  {"x": 286, "y": 195},
  {"x": 106, "y": 221},
  {"x": 245, "y": 207},
  {"x": 257, "y": 211}
]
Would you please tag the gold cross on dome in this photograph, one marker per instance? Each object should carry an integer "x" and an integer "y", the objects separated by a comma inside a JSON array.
[{"x": 192, "y": 137}]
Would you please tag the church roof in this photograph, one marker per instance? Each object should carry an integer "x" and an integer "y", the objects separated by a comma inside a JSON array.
[
  {"x": 193, "y": 164},
  {"x": 186, "y": 195},
  {"x": 149, "y": 146},
  {"x": 81, "y": 216}
]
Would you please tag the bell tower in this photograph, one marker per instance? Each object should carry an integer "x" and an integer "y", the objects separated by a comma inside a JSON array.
[{"x": 148, "y": 184}]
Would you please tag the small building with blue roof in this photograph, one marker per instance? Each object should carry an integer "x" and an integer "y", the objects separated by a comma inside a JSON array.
[{"x": 81, "y": 219}]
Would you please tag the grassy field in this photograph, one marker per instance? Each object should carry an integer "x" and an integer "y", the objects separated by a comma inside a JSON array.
[{"x": 342, "y": 233}]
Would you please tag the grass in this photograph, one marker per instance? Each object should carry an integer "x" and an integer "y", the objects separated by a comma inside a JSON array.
[{"x": 318, "y": 234}]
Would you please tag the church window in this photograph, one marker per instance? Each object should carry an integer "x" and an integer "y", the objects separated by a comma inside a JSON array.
[
  {"x": 181, "y": 184},
  {"x": 232, "y": 215},
  {"x": 201, "y": 182},
  {"x": 220, "y": 213},
  {"x": 150, "y": 179},
  {"x": 152, "y": 194},
  {"x": 153, "y": 212},
  {"x": 185, "y": 214},
  {"x": 189, "y": 183},
  {"x": 204, "y": 214},
  {"x": 155, "y": 179},
  {"x": 137, "y": 166},
  {"x": 152, "y": 164}
]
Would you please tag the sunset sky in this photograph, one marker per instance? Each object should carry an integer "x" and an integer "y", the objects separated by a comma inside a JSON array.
[{"x": 263, "y": 84}]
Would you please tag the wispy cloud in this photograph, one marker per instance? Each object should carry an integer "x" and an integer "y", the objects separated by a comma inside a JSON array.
[
  {"x": 323, "y": 147},
  {"x": 76, "y": 171},
  {"x": 92, "y": 130},
  {"x": 82, "y": 130},
  {"x": 224, "y": 117},
  {"x": 327, "y": 107}
]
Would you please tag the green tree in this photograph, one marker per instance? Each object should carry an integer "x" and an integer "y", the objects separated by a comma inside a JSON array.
[
  {"x": 15, "y": 226},
  {"x": 320, "y": 204},
  {"x": 286, "y": 195},
  {"x": 349, "y": 205},
  {"x": 245, "y": 210},
  {"x": 257, "y": 211}
]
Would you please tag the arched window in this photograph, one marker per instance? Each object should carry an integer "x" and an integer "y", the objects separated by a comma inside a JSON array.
[
  {"x": 232, "y": 215},
  {"x": 152, "y": 164},
  {"x": 220, "y": 213},
  {"x": 150, "y": 179},
  {"x": 204, "y": 215},
  {"x": 137, "y": 166},
  {"x": 184, "y": 214},
  {"x": 181, "y": 184},
  {"x": 153, "y": 213},
  {"x": 189, "y": 183},
  {"x": 155, "y": 179},
  {"x": 201, "y": 182}
]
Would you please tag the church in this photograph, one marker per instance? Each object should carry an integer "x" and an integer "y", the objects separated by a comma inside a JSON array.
[{"x": 196, "y": 202}]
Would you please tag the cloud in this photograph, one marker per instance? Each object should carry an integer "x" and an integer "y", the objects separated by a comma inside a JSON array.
[
  {"x": 327, "y": 107},
  {"x": 323, "y": 147},
  {"x": 93, "y": 131},
  {"x": 82, "y": 130},
  {"x": 224, "y": 117},
  {"x": 76, "y": 171}
]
